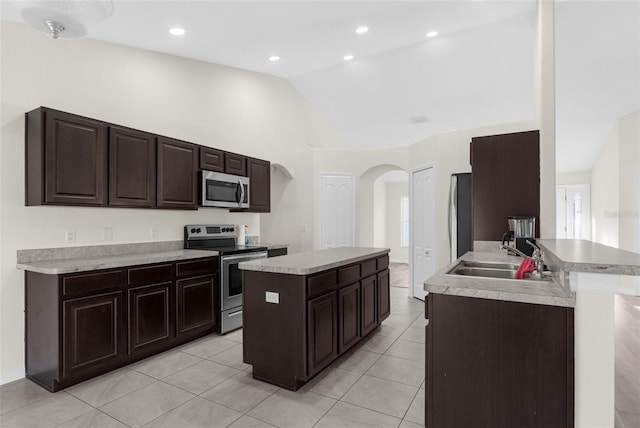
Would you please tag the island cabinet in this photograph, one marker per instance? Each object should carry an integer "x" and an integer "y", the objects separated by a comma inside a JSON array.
[
  {"x": 80, "y": 325},
  {"x": 296, "y": 325},
  {"x": 498, "y": 364}
]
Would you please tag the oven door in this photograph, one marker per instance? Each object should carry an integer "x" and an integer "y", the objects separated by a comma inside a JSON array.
[
  {"x": 224, "y": 190},
  {"x": 231, "y": 283}
]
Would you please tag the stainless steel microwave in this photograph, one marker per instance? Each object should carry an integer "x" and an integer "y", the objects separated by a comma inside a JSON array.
[{"x": 223, "y": 190}]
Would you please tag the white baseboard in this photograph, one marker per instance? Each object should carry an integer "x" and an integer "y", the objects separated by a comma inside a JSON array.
[{"x": 399, "y": 261}]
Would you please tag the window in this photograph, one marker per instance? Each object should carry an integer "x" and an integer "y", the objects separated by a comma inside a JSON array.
[{"x": 404, "y": 221}]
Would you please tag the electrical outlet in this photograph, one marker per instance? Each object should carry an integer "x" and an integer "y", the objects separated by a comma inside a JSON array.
[
  {"x": 154, "y": 233},
  {"x": 272, "y": 297},
  {"x": 108, "y": 233},
  {"x": 70, "y": 235}
]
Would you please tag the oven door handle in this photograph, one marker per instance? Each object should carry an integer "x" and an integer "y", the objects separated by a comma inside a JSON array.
[{"x": 260, "y": 255}]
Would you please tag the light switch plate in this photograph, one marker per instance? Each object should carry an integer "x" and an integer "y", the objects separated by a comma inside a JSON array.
[{"x": 272, "y": 297}]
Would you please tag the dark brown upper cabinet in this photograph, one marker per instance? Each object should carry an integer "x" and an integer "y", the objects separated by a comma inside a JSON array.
[
  {"x": 235, "y": 164},
  {"x": 177, "y": 173},
  {"x": 132, "y": 168},
  {"x": 66, "y": 159},
  {"x": 211, "y": 159},
  {"x": 260, "y": 185},
  {"x": 506, "y": 182}
]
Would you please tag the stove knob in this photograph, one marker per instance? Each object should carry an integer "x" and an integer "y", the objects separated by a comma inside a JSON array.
[
  {"x": 231, "y": 229},
  {"x": 198, "y": 230},
  {"x": 193, "y": 230}
]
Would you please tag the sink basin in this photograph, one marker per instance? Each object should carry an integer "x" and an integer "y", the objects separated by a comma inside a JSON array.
[
  {"x": 486, "y": 272},
  {"x": 488, "y": 265},
  {"x": 491, "y": 270}
]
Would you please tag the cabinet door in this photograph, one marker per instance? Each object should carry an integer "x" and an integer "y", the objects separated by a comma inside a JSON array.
[
  {"x": 132, "y": 168},
  {"x": 196, "y": 302},
  {"x": 369, "y": 304},
  {"x": 150, "y": 317},
  {"x": 260, "y": 190},
  {"x": 322, "y": 331},
  {"x": 211, "y": 159},
  {"x": 348, "y": 317},
  {"x": 235, "y": 164},
  {"x": 384, "y": 297},
  {"x": 75, "y": 160},
  {"x": 177, "y": 168},
  {"x": 93, "y": 332}
]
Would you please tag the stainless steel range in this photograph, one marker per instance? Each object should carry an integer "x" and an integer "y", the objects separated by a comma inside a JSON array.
[{"x": 222, "y": 238}]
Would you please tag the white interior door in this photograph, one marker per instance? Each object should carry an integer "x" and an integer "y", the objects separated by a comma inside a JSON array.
[
  {"x": 573, "y": 211},
  {"x": 337, "y": 210},
  {"x": 423, "y": 229}
]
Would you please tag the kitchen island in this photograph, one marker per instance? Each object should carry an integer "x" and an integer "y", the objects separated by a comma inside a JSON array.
[
  {"x": 537, "y": 353},
  {"x": 303, "y": 310}
]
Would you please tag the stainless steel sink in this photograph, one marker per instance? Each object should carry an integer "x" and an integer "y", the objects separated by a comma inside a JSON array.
[
  {"x": 486, "y": 272},
  {"x": 488, "y": 265},
  {"x": 492, "y": 270}
]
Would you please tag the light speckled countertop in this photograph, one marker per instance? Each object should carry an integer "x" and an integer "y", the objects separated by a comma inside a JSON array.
[
  {"x": 526, "y": 291},
  {"x": 310, "y": 262},
  {"x": 579, "y": 255},
  {"x": 62, "y": 260}
]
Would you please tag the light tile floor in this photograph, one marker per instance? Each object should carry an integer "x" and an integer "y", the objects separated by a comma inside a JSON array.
[{"x": 206, "y": 384}]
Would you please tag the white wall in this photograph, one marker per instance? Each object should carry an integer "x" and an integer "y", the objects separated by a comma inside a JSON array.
[
  {"x": 380, "y": 214},
  {"x": 629, "y": 179},
  {"x": 605, "y": 193},
  {"x": 569, "y": 178},
  {"x": 394, "y": 193},
  {"x": 241, "y": 111}
]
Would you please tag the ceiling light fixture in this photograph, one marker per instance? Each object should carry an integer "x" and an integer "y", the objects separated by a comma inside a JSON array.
[
  {"x": 177, "y": 31},
  {"x": 64, "y": 18},
  {"x": 274, "y": 58},
  {"x": 362, "y": 30},
  {"x": 348, "y": 57},
  {"x": 431, "y": 34}
]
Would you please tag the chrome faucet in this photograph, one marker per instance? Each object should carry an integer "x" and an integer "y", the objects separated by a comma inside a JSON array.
[
  {"x": 515, "y": 251},
  {"x": 536, "y": 256}
]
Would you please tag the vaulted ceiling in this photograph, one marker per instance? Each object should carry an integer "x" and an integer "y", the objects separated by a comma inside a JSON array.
[{"x": 401, "y": 87}]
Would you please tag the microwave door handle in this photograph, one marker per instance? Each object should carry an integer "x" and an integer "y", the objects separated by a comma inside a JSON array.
[
  {"x": 240, "y": 202},
  {"x": 238, "y": 193}
]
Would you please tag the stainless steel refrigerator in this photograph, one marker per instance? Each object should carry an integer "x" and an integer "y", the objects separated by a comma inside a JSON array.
[{"x": 460, "y": 214}]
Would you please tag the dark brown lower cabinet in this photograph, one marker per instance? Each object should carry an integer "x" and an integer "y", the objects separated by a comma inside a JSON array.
[
  {"x": 323, "y": 331},
  {"x": 80, "y": 325},
  {"x": 349, "y": 316},
  {"x": 369, "y": 291},
  {"x": 498, "y": 364},
  {"x": 384, "y": 295},
  {"x": 150, "y": 317},
  {"x": 196, "y": 299},
  {"x": 93, "y": 332},
  {"x": 317, "y": 318}
]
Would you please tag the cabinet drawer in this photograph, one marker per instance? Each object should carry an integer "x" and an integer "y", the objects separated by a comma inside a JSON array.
[
  {"x": 368, "y": 268},
  {"x": 91, "y": 282},
  {"x": 349, "y": 274},
  {"x": 197, "y": 267},
  {"x": 322, "y": 283},
  {"x": 383, "y": 262},
  {"x": 149, "y": 274}
]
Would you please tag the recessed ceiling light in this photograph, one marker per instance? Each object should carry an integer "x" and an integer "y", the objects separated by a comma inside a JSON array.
[
  {"x": 177, "y": 31},
  {"x": 362, "y": 30},
  {"x": 348, "y": 57},
  {"x": 274, "y": 58},
  {"x": 431, "y": 34}
]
